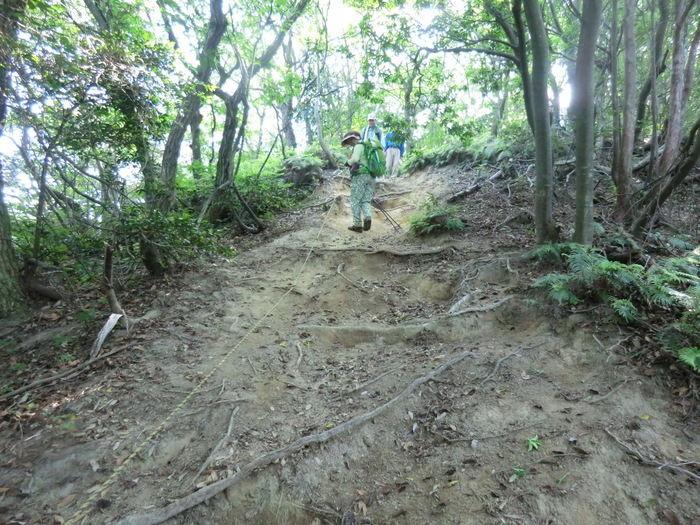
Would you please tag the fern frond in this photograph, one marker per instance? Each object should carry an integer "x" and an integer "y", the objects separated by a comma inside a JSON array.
[
  {"x": 625, "y": 310},
  {"x": 545, "y": 253},
  {"x": 551, "y": 279},
  {"x": 582, "y": 260},
  {"x": 658, "y": 295},
  {"x": 561, "y": 294},
  {"x": 691, "y": 357}
]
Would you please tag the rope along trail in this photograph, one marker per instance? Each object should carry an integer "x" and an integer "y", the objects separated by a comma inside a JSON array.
[{"x": 84, "y": 509}]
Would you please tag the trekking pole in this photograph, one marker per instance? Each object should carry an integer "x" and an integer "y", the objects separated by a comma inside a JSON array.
[{"x": 395, "y": 224}]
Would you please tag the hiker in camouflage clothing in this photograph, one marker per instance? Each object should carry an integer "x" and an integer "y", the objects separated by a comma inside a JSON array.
[{"x": 361, "y": 183}]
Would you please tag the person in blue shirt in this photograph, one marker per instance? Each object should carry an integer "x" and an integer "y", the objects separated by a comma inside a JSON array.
[{"x": 394, "y": 153}]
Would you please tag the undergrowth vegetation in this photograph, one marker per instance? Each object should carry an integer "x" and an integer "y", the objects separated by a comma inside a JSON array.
[
  {"x": 662, "y": 298},
  {"x": 435, "y": 218}
]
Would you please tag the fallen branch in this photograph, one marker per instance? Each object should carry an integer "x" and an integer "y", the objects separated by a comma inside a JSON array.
[
  {"x": 645, "y": 461},
  {"x": 598, "y": 399},
  {"x": 464, "y": 193},
  {"x": 301, "y": 356},
  {"x": 63, "y": 374},
  {"x": 217, "y": 447},
  {"x": 498, "y": 363},
  {"x": 339, "y": 271},
  {"x": 183, "y": 504}
]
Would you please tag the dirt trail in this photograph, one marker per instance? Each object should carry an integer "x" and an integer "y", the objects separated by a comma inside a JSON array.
[{"x": 319, "y": 325}]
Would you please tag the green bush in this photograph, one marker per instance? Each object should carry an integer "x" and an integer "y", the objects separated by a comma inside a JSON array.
[{"x": 434, "y": 218}]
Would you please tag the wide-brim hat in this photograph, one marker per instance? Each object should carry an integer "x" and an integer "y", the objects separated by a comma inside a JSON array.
[{"x": 350, "y": 135}]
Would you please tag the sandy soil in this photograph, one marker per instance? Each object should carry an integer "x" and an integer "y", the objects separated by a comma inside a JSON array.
[{"x": 427, "y": 381}]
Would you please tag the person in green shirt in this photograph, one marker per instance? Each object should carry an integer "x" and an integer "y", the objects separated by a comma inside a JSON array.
[{"x": 361, "y": 183}]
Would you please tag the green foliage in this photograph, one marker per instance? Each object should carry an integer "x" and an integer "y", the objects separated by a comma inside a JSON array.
[
  {"x": 486, "y": 148},
  {"x": 452, "y": 152},
  {"x": 533, "y": 443},
  {"x": 434, "y": 218},
  {"x": 632, "y": 292},
  {"x": 518, "y": 473},
  {"x": 691, "y": 357},
  {"x": 550, "y": 253},
  {"x": 625, "y": 310},
  {"x": 401, "y": 128},
  {"x": 177, "y": 234}
]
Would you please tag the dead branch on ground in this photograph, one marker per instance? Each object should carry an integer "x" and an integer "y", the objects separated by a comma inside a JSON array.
[
  {"x": 498, "y": 363},
  {"x": 464, "y": 193},
  {"x": 217, "y": 447},
  {"x": 63, "y": 374},
  {"x": 183, "y": 504},
  {"x": 653, "y": 463},
  {"x": 339, "y": 271}
]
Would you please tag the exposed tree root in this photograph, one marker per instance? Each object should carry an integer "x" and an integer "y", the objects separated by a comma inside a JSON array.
[
  {"x": 208, "y": 492},
  {"x": 390, "y": 251},
  {"x": 398, "y": 332},
  {"x": 673, "y": 466}
]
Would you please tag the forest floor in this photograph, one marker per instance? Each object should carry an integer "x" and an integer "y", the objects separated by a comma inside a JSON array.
[{"x": 321, "y": 376}]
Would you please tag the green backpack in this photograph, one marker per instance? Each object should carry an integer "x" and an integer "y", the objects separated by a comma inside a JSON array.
[{"x": 376, "y": 160}]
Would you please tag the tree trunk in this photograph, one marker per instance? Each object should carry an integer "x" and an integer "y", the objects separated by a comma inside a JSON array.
[
  {"x": 286, "y": 108},
  {"x": 286, "y": 111},
  {"x": 674, "y": 125},
  {"x": 196, "y": 134},
  {"x": 657, "y": 67},
  {"x": 319, "y": 122},
  {"x": 613, "y": 51},
  {"x": 190, "y": 106},
  {"x": 12, "y": 300},
  {"x": 545, "y": 228},
  {"x": 624, "y": 170},
  {"x": 522, "y": 64},
  {"x": 584, "y": 89}
]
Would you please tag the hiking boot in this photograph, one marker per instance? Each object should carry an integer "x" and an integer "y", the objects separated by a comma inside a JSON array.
[
  {"x": 367, "y": 224},
  {"x": 357, "y": 229}
]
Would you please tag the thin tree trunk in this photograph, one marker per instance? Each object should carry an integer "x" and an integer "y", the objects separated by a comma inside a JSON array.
[
  {"x": 319, "y": 123},
  {"x": 657, "y": 66},
  {"x": 675, "y": 108},
  {"x": 544, "y": 224},
  {"x": 624, "y": 174},
  {"x": 522, "y": 64},
  {"x": 585, "y": 119},
  {"x": 614, "y": 94},
  {"x": 196, "y": 134}
]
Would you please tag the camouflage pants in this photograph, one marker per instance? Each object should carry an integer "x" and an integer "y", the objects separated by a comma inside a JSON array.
[{"x": 361, "y": 193}]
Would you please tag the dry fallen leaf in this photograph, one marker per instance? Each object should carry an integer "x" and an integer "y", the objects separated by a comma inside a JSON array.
[
  {"x": 65, "y": 501},
  {"x": 362, "y": 508}
]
